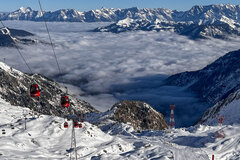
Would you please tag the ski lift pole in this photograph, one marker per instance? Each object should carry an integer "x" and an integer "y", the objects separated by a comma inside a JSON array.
[
  {"x": 25, "y": 119},
  {"x": 25, "y": 123},
  {"x": 73, "y": 143}
]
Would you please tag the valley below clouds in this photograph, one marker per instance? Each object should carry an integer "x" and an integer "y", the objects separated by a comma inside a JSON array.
[{"x": 103, "y": 68}]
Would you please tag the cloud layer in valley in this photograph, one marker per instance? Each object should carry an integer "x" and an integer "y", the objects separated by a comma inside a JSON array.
[{"x": 110, "y": 67}]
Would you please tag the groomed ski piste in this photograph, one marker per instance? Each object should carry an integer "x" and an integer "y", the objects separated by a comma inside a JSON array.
[{"x": 46, "y": 138}]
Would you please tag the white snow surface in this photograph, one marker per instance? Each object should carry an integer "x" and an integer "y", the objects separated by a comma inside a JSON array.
[
  {"x": 231, "y": 113},
  {"x": 45, "y": 138},
  {"x": 228, "y": 107}
]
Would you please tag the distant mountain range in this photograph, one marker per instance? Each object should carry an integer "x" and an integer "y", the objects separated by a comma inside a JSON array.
[
  {"x": 218, "y": 21},
  {"x": 220, "y": 30},
  {"x": 197, "y": 14}
]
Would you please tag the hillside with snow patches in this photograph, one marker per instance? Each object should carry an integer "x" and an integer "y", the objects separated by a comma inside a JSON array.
[
  {"x": 45, "y": 138},
  {"x": 102, "y": 138},
  {"x": 229, "y": 107},
  {"x": 214, "y": 82},
  {"x": 15, "y": 89}
]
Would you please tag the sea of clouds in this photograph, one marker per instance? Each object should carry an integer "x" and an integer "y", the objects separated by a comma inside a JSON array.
[{"x": 107, "y": 67}]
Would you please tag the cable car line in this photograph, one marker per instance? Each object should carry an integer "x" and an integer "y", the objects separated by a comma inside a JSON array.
[
  {"x": 2, "y": 23},
  {"x": 65, "y": 102},
  {"x": 49, "y": 36},
  {"x": 34, "y": 88},
  {"x": 18, "y": 50}
]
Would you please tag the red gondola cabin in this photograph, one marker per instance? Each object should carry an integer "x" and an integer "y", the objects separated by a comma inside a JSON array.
[
  {"x": 34, "y": 90},
  {"x": 80, "y": 125},
  {"x": 65, "y": 102},
  {"x": 65, "y": 125},
  {"x": 75, "y": 124},
  {"x": 82, "y": 117}
]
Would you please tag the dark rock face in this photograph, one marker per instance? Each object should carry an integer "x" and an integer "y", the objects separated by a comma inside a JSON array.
[
  {"x": 6, "y": 41},
  {"x": 9, "y": 37},
  {"x": 14, "y": 88},
  {"x": 140, "y": 115},
  {"x": 214, "y": 82},
  {"x": 19, "y": 33}
]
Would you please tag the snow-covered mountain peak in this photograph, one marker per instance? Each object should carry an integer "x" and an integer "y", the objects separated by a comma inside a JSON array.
[
  {"x": 24, "y": 10},
  {"x": 125, "y": 22}
]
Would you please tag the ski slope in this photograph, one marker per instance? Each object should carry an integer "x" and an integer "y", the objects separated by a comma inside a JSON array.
[{"x": 45, "y": 138}]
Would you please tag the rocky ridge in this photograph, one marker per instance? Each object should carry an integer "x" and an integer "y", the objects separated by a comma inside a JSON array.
[
  {"x": 139, "y": 115},
  {"x": 215, "y": 81},
  {"x": 14, "y": 88}
]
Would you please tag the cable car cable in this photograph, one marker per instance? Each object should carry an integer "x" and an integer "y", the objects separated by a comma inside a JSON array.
[
  {"x": 37, "y": 91},
  {"x": 64, "y": 99},
  {"x": 49, "y": 36},
  {"x": 2, "y": 23},
  {"x": 18, "y": 50}
]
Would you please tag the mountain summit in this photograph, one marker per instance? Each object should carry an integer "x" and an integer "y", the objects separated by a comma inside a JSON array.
[{"x": 197, "y": 14}]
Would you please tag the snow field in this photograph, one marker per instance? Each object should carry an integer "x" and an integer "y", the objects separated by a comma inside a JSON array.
[{"x": 45, "y": 138}]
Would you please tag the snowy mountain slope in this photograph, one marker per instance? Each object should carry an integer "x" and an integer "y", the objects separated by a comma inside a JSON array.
[
  {"x": 217, "y": 21},
  {"x": 215, "y": 81},
  {"x": 221, "y": 30},
  {"x": 229, "y": 107},
  {"x": 45, "y": 138},
  {"x": 14, "y": 88},
  {"x": 212, "y": 13}
]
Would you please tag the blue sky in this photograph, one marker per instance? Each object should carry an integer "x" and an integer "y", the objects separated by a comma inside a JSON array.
[{"x": 85, "y": 5}]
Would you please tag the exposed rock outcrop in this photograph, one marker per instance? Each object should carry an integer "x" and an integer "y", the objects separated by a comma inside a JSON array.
[{"x": 139, "y": 114}]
